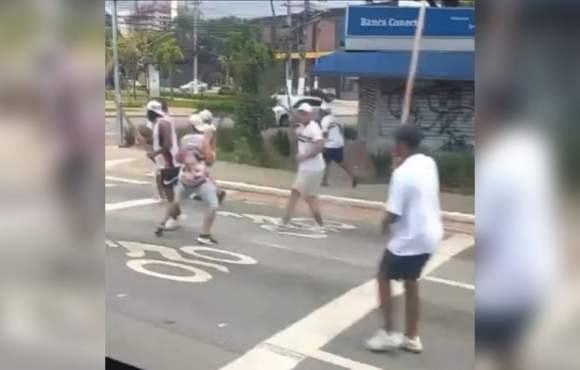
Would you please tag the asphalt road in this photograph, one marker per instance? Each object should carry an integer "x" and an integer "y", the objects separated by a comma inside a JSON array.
[{"x": 262, "y": 300}]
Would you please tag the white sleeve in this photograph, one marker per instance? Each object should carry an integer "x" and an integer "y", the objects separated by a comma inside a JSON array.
[
  {"x": 325, "y": 123},
  {"x": 397, "y": 192},
  {"x": 316, "y": 133}
]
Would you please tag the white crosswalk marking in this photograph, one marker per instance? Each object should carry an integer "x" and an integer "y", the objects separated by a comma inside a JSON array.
[{"x": 308, "y": 335}]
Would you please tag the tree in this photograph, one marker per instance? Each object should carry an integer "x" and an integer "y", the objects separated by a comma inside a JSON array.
[{"x": 166, "y": 54}]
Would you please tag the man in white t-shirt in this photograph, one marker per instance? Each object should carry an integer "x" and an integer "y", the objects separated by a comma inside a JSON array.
[
  {"x": 414, "y": 217},
  {"x": 333, "y": 132},
  {"x": 310, "y": 165}
]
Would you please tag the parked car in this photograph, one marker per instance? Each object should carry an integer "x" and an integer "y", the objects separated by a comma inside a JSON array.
[
  {"x": 189, "y": 87},
  {"x": 282, "y": 110}
]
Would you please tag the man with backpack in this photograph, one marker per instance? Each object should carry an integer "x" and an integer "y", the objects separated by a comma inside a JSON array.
[{"x": 333, "y": 132}]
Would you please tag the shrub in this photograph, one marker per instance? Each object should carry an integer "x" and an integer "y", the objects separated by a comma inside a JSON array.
[
  {"x": 454, "y": 169},
  {"x": 350, "y": 133},
  {"x": 382, "y": 162},
  {"x": 252, "y": 115},
  {"x": 226, "y": 90},
  {"x": 281, "y": 142},
  {"x": 226, "y": 139}
]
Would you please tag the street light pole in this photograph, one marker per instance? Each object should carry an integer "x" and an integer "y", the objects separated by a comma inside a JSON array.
[
  {"x": 289, "y": 49},
  {"x": 118, "y": 102},
  {"x": 303, "y": 37},
  {"x": 195, "y": 18}
]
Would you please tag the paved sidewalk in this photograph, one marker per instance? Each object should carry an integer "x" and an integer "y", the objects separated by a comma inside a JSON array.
[{"x": 339, "y": 182}]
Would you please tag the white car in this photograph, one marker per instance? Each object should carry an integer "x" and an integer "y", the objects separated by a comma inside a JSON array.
[
  {"x": 189, "y": 87},
  {"x": 282, "y": 112}
]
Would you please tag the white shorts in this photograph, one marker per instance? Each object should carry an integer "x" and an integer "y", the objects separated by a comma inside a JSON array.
[{"x": 307, "y": 183}]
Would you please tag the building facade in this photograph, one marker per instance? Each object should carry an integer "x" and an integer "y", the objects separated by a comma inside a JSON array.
[{"x": 378, "y": 45}]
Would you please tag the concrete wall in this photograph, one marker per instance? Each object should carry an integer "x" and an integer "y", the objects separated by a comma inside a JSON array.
[{"x": 443, "y": 109}]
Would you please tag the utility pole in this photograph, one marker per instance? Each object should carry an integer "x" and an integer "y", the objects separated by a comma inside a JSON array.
[
  {"x": 195, "y": 20},
  {"x": 289, "y": 48},
  {"x": 303, "y": 37},
  {"x": 118, "y": 102}
]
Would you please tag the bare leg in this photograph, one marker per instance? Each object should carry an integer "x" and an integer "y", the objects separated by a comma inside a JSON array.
[
  {"x": 314, "y": 209},
  {"x": 350, "y": 172},
  {"x": 160, "y": 187},
  {"x": 412, "y": 307},
  {"x": 326, "y": 171},
  {"x": 386, "y": 302},
  {"x": 291, "y": 206},
  {"x": 208, "y": 221}
]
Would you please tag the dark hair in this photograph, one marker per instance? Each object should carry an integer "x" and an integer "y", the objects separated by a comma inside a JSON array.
[
  {"x": 152, "y": 116},
  {"x": 164, "y": 105},
  {"x": 411, "y": 135}
]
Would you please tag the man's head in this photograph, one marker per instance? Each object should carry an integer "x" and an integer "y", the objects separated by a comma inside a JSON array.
[
  {"x": 407, "y": 140},
  {"x": 206, "y": 116},
  {"x": 155, "y": 110},
  {"x": 305, "y": 113}
]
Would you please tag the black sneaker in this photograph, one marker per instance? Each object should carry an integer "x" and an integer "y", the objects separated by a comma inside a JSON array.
[
  {"x": 221, "y": 196},
  {"x": 159, "y": 231},
  {"x": 206, "y": 240},
  {"x": 355, "y": 182}
]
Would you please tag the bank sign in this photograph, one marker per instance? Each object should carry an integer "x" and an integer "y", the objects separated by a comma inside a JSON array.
[{"x": 390, "y": 22}]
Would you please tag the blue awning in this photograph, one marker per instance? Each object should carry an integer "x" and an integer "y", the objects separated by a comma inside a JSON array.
[{"x": 433, "y": 65}]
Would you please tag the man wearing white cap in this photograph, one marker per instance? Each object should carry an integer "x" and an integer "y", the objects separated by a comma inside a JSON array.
[
  {"x": 163, "y": 152},
  {"x": 310, "y": 165},
  {"x": 196, "y": 156}
]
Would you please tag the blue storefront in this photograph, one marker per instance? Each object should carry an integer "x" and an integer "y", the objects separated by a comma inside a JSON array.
[{"x": 378, "y": 43}]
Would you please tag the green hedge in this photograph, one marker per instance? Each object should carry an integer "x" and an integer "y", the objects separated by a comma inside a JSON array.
[
  {"x": 456, "y": 170},
  {"x": 281, "y": 142}
]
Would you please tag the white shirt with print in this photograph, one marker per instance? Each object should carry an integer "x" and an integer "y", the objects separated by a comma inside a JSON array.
[
  {"x": 414, "y": 197},
  {"x": 308, "y": 135}
]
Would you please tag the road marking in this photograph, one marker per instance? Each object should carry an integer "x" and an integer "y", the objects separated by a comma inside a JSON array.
[
  {"x": 314, "y": 331},
  {"x": 197, "y": 275},
  {"x": 116, "y": 162},
  {"x": 452, "y": 283},
  {"x": 128, "y": 181},
  {"x": 130, "y": 204},
  {"x": 110, "y": 185},
  {"x": 342, "y": 361}
]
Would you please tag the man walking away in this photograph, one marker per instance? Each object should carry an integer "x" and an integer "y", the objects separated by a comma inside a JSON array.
[
  {"x": 414, "y": 217},
  {"x": 310, "y": 166},
  {"x": 333, "y": 132}
]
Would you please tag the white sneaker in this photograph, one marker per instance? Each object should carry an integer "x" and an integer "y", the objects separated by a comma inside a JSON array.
[
  {"x": 171, "y": 224},
  {"x": 319, "y": 229},
  {"x": 412, "y": 345},
  {"x": 182, "y": 217},
  {"x": 383, "y": 341}
]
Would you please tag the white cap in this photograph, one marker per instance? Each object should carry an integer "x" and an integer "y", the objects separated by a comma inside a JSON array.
[
  {"x": 156, "y": 107},
  {"x": 206, "y": 116},
  {"x": 197, "y": 123},
  {"x": 305, "y": 107}
]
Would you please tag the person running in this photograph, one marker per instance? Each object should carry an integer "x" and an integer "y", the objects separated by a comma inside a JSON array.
[
  {"x": 310, "y": 166},
  {"x": 206, "y": 117},
  {"x": 145, "y": 139},
  {"x": 414, "y": 217},
  {"x": 333, "y": 132},
  {"x": 196, "y": 156},
  {"x": 163, "y": 153}
]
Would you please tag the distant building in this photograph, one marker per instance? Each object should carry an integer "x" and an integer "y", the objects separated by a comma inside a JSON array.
[{"x": 324, "y": 35}]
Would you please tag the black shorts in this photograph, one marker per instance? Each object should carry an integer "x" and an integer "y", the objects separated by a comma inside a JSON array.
[
  {"x": 170, "y": 176},
  {"x": 333, "y": 155},
  {"x": 500, "y": 333},
  {"x": 395, "y": 267}
]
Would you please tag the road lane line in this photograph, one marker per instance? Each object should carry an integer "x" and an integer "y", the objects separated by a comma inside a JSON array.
[
  {"x": 128, "y": 181},
  {"x": 308, "y": 335},
  {"x": 130, "y": 204},
  {"x": 342, "y": 361},
  {"x": 116, "y": 162},
  {"x": 452, "y": 283}
]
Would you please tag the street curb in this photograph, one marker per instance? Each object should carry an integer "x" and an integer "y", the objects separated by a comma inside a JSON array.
[
  {"x": 143, "y": 115},
  {"x": 458, "y": 217}
]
